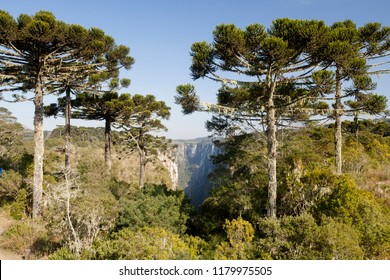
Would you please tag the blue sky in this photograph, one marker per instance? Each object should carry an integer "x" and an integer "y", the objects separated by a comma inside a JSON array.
[{"x": 160, "y": 34}]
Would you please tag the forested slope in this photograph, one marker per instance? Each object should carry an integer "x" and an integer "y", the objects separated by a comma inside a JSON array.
[{"x": 321, "y": 215}]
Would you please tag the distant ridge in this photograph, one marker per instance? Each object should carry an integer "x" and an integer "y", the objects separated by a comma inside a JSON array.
[
  {"x": 28, "y": 134},
  {"x": 198, "y": 140}
]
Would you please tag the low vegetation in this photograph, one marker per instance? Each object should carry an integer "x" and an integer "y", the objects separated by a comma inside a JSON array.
[{"x": 91, "y": 215}]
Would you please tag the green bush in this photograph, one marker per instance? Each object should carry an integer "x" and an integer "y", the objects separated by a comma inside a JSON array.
[
  {"x": 287, "y": 238},
  {"x": 240, "y": 234},
  {"x": 155, "y": 206},
  {"x": 300, "y": 238},
  {"x": 18, "y": 207},
  {"x": 63, "y": 253},
  {"x": 23, "y": 235},
  {"x": 360, "y": 210},
  {"x": 299, "y": 193},
  {"x": 148, "y": 243},
  {"x": 10, "y": 184},
  {"x": 338, "y": 241},
  {"x": 120, "y": 188}
]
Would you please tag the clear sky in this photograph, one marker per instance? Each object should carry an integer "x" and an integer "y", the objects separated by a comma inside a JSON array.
[{"x": 160, "y": 34}]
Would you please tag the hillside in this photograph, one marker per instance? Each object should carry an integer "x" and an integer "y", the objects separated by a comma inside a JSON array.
[{"x": 324, "y": 215}]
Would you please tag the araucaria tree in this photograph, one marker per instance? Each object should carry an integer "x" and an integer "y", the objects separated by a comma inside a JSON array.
[
  {"x": 259, "y": 71},
  {"x": 109, "y": 107},
  {"x": 88, "y": 77},
  {"x": 38, "y": 54},
  {"x": 139, "y": 125},
  {"x": 93, "y": 104},
  {"x": 351, "y": 54}
]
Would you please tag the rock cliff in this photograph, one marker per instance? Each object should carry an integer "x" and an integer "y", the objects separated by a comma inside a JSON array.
[{"x": 191, "y": 166}]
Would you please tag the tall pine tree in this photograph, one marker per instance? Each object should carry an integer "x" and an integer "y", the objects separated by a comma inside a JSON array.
[{"x": 265, "y": 65}]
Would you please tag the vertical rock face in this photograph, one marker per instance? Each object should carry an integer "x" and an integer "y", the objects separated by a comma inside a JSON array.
[
  {"x": 194, "y": 166},
  {"x": 170, "y": 163}
]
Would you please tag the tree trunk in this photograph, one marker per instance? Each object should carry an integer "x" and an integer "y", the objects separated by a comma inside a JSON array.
[
  {"x": 337, "y": 133},
  {"x": 108, "y": 144},
  {"x": 356, "y": 126},
  {"x": 67, "y": 130},
  {"x": 75, "y": 235},
  {"x": 38, "y": 148},
  {"x": 142, "y": 165},
  {"x": 272, "y": 153}
]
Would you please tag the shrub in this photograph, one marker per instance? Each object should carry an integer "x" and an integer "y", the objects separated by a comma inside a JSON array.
[
  {"x": 148, "y": 243},
  {"x": 18, "y": 208},
  {"x": 155, "y": 206},
  {"x": 78, "y": 214},
  {"x": 300, "y": 238},
  {"x": 10, "y": 184},
  {"x": 338, "y": 241},
  {"x": 63, "y": 253},
  {"x": 23, "y": 235},
  {"x": 240, "y": 234},
  {"x": 360, "y": 210},
  {"x": 287, "y": 238}
]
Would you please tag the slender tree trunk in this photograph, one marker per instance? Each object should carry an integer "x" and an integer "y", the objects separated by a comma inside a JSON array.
[
  {"x": 338, "y": 115},
  {"x": 108, "y": 144},
  {"x": 356, "y": 126},
  {"x": 142, "y": 165},
  {"x": 67, "y": 130},
  {"x": 77, "y": 241},
  {"x": 272, "y": 153},
  {"x": 38, "y": 148}
]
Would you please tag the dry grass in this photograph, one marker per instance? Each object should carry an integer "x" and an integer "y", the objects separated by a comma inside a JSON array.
[{"x": 377, "y": 181}]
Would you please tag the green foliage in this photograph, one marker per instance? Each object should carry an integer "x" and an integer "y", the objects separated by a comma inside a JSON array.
[
  {"x": 148, "y": 243},
  {"x": 240, "y": 187},
  {"x": 63, "y": 253},
  {"x": 78, "y": 213},
  {"x": 23, "y": 235},
  {"x": 360, "y": 210},
  {"x": 342, "y": 203},
  {"x": 300, "y": 237},
  {"x": 379, "y": 127},
  {"x": 240, "y": 234},
  {"x": 286, "y": 238},
  {"x": 196, "y": 245},
  {"x": 187, "y": 98},
  {"x": 338, "y": 241},
  {"x": 300, "y": 191},
  {"x": 155, "y": 206},
  {"x": 18, "y": 208},
  {"x": 120, "y": 189},
  {"x": 80, "y": 135},
  {"x": 10, "y": 184},
  {"x": 11, "y": 139},
  {"x": 228, "y": 202}
]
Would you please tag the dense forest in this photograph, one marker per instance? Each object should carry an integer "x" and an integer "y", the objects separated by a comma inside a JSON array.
[{"x": 302, "y": 172}]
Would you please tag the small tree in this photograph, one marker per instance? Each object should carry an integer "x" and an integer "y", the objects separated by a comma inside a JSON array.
[
  {"x": 138, "y": 124},
  {"x": 10, "y": 132},
  {"x": 109, "y": 107},
  {"x": 79, "y": 213},
  {"x": 372, "y": 104}
]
